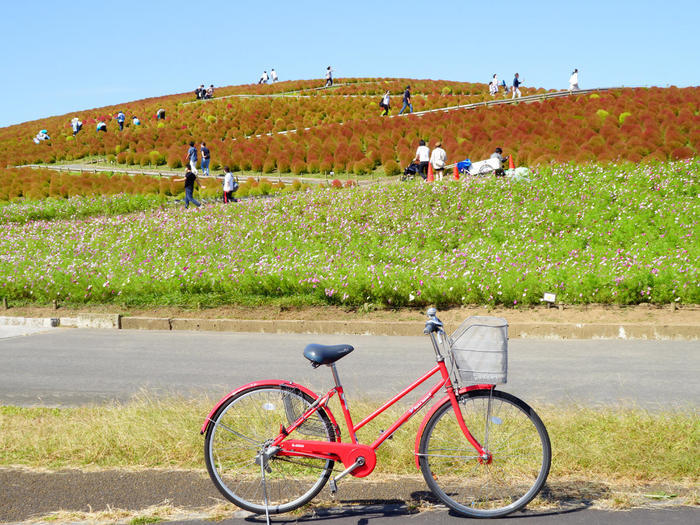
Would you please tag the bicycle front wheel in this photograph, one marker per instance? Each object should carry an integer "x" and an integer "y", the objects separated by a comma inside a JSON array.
[
  {"x": 510, "y": 431},
  {"x": 238, "y": 458}
]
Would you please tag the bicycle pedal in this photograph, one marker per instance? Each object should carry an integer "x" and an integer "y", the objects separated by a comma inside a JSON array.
[{"x": 333, "y": 486}]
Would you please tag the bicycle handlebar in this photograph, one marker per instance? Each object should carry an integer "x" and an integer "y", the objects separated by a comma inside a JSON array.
[{"x": 433, "y": 324}]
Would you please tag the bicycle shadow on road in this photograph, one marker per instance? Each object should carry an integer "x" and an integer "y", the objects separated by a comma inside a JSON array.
[
  {"x": 558, "y": 499},
  {"x": 365, "y": 513}
]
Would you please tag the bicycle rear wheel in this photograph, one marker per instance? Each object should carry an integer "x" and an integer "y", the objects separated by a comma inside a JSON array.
[
  {"x": 507, "y": 428},
  {"x": 237, "y": 440}
]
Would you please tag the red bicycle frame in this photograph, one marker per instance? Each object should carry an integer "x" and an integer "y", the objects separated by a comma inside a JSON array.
[{"x": 360, "y": 459}]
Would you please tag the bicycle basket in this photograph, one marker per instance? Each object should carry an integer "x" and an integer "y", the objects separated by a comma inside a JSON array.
[
  {"x": 479, "y": 350},
  {"x": 294, "y": 408}
]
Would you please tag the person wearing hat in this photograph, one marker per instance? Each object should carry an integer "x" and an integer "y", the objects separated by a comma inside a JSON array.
[
  {"x": 42, "y": 135},
  {"x": 438, "y": 158}
]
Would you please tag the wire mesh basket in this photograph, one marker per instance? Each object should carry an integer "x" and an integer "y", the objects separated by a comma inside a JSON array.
[{"x": 479, "y": 350}]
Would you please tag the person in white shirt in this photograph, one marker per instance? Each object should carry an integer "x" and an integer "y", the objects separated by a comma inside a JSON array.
[
  {"x": 263, "y": 78},
  {"x": 42, "y": 135},
  {"x": 329, "y": 76},
  {"x": 438, "y": 158},
  {"x": 422, "y": 158},
  {"x": 230, "y": 186},
  {"x": 493, "y": 85},
  {"x": 573, "y": 81},
  {"x": 385, "y": 103},
  {"x": 76, "y": 124},
  {"x": 273, "y": 74}
]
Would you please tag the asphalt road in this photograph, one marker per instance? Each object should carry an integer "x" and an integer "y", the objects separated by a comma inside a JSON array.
[
  {"x": 387, "y": 515},
  {"x": 69, "y": 367}
]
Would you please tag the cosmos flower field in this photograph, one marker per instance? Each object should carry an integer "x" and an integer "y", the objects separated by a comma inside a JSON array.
[{"x": 615, "y": 234}]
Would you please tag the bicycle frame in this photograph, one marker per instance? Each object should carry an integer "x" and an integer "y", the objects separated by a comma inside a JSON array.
[{"x": 350, "y": 453}]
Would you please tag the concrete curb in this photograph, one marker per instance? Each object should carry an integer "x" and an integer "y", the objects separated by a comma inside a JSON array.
[{"x": 535, "y": 330}]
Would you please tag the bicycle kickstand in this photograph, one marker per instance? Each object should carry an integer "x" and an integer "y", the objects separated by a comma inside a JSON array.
[{"x": 334, "y": 481}]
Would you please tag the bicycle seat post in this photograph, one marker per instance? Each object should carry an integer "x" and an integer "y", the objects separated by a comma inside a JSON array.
[{"x": 335, "y": 376}]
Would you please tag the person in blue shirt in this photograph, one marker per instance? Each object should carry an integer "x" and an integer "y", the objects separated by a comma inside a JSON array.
[
  {"x": 407, "y": 101},
  {"x": 205, "y": 159},
  {"x": 120, "y": 120},
  {"x": 135, "y": 121},
  {"x": 191, "y": 157},
  {"x": 516, "y": 86}
]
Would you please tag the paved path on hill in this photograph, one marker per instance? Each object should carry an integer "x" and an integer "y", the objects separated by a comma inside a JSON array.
[
  {"x": 63, "y": 367},
  {"x": 272, "y": 177}
]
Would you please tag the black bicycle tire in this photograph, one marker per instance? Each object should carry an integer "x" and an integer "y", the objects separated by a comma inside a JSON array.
[
  {"x": 431, "y": 478},
  {"x": 228, "y": 493}
]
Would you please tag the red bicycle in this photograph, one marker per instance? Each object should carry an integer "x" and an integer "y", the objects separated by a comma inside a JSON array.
[{"x": 272, "y": 445}]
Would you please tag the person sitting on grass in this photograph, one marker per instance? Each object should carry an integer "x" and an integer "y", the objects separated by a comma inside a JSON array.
[
  {"x": 41, "y": 136},
  {"x": 190, "y": 179}
]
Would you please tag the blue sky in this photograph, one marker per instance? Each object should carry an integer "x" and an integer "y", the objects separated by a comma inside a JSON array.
[{"x": 67, "y": 56}]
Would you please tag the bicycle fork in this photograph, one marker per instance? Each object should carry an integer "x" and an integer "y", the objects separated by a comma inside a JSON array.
[{"x": 482, "y": 449}]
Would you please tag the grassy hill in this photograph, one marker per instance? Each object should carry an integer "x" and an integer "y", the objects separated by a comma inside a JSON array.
[{"x": 588, "y": 227}]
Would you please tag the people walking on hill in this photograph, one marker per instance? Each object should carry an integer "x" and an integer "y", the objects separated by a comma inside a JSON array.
[
  {"x": 498, "y": 155},
  {"x": 160, "y": 114},
  {"x": 206, "y": 157},
  {"x": 41, "y": 136},
  {"x": 493, "y": 85},
  {"x": 191, "y": 157},
  {"x": 190, "y": 179},
  {"x": 516, "y": 86},
  {"x": 210, "y": 92},
  {"x": 101, "y": 126},
  {"x": 385, "y": 103},
  {"x": 76, "y": 124},
  {"x": 230, "y": 186},
  {"x": 273, "y": 74},
  {"x": 438, "y": 158},
  {"x": 573, "y": 81},
  {"x": 505, "y": 88},
  {"x": 121, "y": 117},
  {"x": 263, "y": 78},
  {"x": 422, "y": 158},
  {"x": 407, "y": 101},
  {"x": 329, "y": 77},
  {"x": 135, "y": 121}
]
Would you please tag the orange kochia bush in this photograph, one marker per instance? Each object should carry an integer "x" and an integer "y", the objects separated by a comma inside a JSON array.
[{"x": 346, "y": 132}]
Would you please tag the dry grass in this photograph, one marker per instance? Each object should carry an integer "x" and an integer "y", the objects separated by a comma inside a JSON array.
[{"x": 609, "y": 445}]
